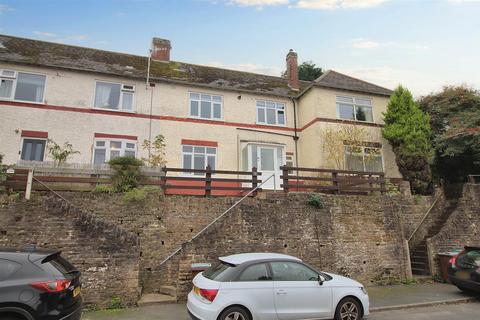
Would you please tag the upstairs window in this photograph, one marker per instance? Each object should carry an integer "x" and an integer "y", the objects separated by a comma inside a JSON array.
[
  {"x": 22, "y": 86},
  {"x": 114, "y": 96},
  {"x": 354, "y": 109},
  {"x": 106, "y": 150},
  {"x": 198, "y": 157},
  {"x": 206, "y": 106},
  {"x": 359, "y": 158},
  {"x": 271, "y": 113}
]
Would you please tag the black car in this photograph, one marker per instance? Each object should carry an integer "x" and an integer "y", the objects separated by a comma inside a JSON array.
[
  {"x": 464, "y": 269},
  {"x": 38, "y": 285}
]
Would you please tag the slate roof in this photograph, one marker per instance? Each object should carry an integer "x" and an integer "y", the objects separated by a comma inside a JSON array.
[
  {"x": 337, "y": 80},
  {"x": 48, "y": 54}
]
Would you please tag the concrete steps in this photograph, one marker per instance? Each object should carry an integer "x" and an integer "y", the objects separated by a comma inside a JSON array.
[{"x": 155, "y": 299}]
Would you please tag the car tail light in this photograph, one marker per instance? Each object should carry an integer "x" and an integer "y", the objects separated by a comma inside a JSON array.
[
  {"x": 453, "y": 260},
  {"x": 208, "y": 294},
  {"x": 51, "y": 286}
]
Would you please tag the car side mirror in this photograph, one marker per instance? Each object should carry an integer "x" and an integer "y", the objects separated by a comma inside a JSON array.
[{"x": 321, "y": 279}]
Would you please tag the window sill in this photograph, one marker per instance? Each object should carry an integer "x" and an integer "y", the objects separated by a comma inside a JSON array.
[
  {"x": 22, "y": 101},
  {"x": 112, "y": 110},
  {"x": 206, "y": 119},
  {"x": 271, "y": 125},
  {"x": 356, "y": 121}
]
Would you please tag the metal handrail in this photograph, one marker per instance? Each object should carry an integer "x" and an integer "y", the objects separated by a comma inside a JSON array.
[
  {"x": 217, "y": 218},
  {"x": 423, "y": 219}
]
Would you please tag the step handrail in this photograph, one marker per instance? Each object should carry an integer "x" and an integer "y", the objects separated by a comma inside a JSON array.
[
  {"x": 424, "y": 217},
  {"x": 216, "y": 219}
]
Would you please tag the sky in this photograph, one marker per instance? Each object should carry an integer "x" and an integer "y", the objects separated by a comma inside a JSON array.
[{"x": 423, "y": 45}]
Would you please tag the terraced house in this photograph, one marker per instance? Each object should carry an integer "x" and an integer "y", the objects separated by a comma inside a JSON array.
[{"x": 107, "y": 103}]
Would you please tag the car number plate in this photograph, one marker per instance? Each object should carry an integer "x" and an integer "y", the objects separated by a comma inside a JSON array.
[
  {"x": 464, "y": 275},
  {"x": 76, "y": 291}
]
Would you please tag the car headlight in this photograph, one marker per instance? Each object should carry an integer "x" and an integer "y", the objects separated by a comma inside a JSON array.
[{"x": 364, "y": 290}]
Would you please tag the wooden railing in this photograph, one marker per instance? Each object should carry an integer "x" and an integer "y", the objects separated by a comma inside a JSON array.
[
  {"x": 332, "y": 181},
  {"x": 474, "y": 178},
  {"x": 207, "y": 180}
]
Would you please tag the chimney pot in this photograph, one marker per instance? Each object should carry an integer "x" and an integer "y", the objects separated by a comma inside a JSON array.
[
  {"x": 292, "y": 70},
  {"x": 161, "y": 49}
]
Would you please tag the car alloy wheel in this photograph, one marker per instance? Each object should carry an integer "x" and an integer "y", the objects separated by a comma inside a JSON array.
[
  {"x": 349, "y": 311},
  {"x": 234, "y": 316}
]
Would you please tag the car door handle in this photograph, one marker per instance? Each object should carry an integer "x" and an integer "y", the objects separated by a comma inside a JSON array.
[{"x": 281, "y": 292}]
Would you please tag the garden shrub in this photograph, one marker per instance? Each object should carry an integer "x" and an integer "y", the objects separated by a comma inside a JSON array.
[{"x": 127, "y": 173}]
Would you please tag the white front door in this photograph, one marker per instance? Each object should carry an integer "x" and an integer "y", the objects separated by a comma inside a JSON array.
[{"x": 267, "y": 159}]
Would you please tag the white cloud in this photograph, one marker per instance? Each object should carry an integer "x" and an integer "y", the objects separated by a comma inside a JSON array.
[
  {"x": 60, "y": 38},
  {"x": 44, "y": 34},
  {"x": 258, "y": 3},
  {"x": 248, "y": 67},
  {"x": 463, "y": 1},
  {"x": 338, "y": 4},
  {"x": 4, "y": 8},
  {"x": 361, "y": 43}
]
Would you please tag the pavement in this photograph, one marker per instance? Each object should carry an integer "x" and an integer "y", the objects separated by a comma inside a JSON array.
[{"x": 416, "y": 301}]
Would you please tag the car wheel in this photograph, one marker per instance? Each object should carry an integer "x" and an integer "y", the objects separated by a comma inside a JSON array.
[
  {"x": 348, "y": 309},
  {"x": 234, "y": 313},
  {"x": 465, "y": 290}
]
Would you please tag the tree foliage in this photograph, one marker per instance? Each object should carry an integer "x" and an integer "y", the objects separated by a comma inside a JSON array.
[
  {"x": 307, "y": 71},
  {"x": 455, "y": 121},
  {"x": 127, "y": 173},
  {"x": 156, "y": 151},
  {"x": 407, "y": 128},
  {"x": 58, "y": 153}
]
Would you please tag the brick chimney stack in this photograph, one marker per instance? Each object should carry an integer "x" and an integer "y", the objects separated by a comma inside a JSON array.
[
  {"x": 292, "y": 70},
  {"x": 161, "y": 49}
]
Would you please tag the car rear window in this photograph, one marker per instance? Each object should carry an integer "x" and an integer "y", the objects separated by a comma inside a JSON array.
[
  {"x": 470, "y": 259},
  {"x": 218, "y": 271},
  {"x": 58, "y": 265}
]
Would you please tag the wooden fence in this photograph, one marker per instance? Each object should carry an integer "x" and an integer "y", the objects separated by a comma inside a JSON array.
[
  {"x": 331, "y": 181},
  {"x": 206, "y": 182},
  {"x": 474, "y": 178}
]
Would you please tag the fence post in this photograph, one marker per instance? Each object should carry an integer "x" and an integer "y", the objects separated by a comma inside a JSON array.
[
  {"x": 471, "y": 179},
  {"x": 208, "y": 181},
  {"x": 383, "y": 188},
  {"x": 254, "y": 180},
  {"x": 285, "y": 179},
  {"x": 28, "y": 190},
  {"x": 335, "y": 182}
]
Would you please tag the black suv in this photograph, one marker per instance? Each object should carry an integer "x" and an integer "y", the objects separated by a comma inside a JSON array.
[
  {"x": 38, "y": 285},
  {"x": 464, "y": 269}
]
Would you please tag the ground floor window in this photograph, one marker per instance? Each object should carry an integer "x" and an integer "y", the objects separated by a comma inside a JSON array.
[
  {"x": 359, "y": 158},
  {"x": 33, "y": 149},
  {"x": 198, "y": 157},
  {"x": 106, "y": 150}
]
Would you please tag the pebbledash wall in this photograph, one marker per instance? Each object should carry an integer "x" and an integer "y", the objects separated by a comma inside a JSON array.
[{"x": 120, "y": 245}]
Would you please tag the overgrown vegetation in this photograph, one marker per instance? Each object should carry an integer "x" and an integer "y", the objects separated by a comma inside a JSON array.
[
  {"x": 127, "y": 173},
  {"x": 101, "y": 188},
  {"x": 455, "y": 122},
  {"x": 155, "y": 150},
  {"x": 115, "y": 303},
  {"x": 315, "y": 201},
  {"x": 60, "y": 154},
  {"x": 3, "y": 170},
  {"x": 407, "y": 128}
]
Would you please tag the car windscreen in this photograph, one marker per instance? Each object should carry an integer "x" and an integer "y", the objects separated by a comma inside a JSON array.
[
  {"x": 470, "y": 259},
  {"x": 219, "y": 271}
]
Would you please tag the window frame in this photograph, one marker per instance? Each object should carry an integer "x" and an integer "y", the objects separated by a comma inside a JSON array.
[
  {"x": 354, "y": 105},
  {"x": 190, "y": 115},
  {"x": 22, "y": 140},
  {"x": 257, "y": 121},
  {"x": 193, "y": 158},
  {"x": 120, "y": 100},
  {"x": 109, "y": 149},
  {"x": 15, "y": 81},
  {"x": 364, "y": 154}
]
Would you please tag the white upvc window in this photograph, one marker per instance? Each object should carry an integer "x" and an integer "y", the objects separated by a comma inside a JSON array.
[
  {"x": 360, "y": 158},
  {"x": 114, "y": 96},
  {"x": 198, "y": 157},
  {"x": 356, "y": 109},
  {"x": 270, "y": 113},
  {"x": 108, "y": 149},
  {"x": 22, "y": 86},
  {"x": 206, "y": 106}
]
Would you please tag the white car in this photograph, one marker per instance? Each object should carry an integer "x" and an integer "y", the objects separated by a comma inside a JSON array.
[{"x": 270, "y": 286}]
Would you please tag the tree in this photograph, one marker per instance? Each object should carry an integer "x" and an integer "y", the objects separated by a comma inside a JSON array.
[
  {"x": 408, "y": 130},
  {"x": 58, "y": 153},
  {"x": 156, "y": 151},
  {"x": 336, "y": 139},
  {"x": 455, "y": 121},
  {"x": 307, "y": 71}
]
